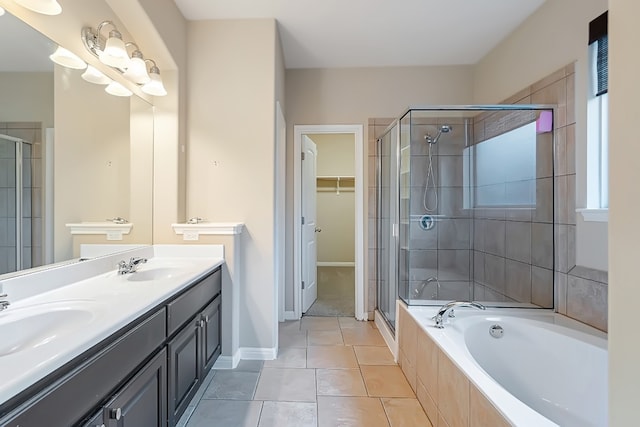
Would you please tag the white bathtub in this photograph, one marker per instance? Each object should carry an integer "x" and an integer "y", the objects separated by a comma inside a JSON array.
[{"x": 545, "y": 370}]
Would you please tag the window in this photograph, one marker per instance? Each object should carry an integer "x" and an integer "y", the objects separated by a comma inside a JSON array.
[{"x": 598, "y": 122}]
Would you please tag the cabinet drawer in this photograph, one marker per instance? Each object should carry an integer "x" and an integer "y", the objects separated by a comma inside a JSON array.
[
  {"x": 71, "y": 397},
  {"x": 186, "y": 305}
]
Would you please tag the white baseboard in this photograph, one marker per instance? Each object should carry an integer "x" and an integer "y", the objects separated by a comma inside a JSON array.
[
  {"x": 335, "y": 264},
  {"x": 257, "y": 353},
  {"x": 227, "y": 362},
  {"x": 387, "y": 335},
  {"x": 290, "y": 315}
]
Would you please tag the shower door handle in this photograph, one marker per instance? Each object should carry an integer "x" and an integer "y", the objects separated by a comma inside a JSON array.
[{"x": 318, "y": 230}]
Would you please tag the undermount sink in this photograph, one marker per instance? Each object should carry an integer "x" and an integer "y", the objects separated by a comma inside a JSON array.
[
  {"x": 160, "y": 273},
  {"x": 31, "y": 327}
]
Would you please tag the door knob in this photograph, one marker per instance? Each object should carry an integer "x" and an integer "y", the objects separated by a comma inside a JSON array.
[{"x": 318, "y": 230}]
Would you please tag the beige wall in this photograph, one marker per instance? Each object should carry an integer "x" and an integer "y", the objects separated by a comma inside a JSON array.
[
  {"x": 352, "y": 96},
  {"x": 28, "y": 97},
  {"x": 231, "y": 173},
  {"x": 335, "y": 212},
  {"x": 554, "y": 36},
  {"x": 624, "y": 234}
]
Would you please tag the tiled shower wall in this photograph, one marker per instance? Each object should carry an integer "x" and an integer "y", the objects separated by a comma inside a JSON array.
[
  {"x": 32, "y": 203},
  {"x": 580, "y": 293}
]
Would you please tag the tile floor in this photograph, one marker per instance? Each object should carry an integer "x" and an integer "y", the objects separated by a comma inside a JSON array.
[{"x": 330, "y": 372}]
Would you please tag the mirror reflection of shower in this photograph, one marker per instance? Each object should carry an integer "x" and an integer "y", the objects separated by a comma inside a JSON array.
[{"x": 430, "y": 183}]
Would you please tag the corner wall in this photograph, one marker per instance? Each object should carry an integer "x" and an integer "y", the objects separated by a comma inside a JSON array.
[{"x": 230, "y": 163}]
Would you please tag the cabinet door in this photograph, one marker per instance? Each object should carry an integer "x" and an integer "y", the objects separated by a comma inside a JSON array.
[
  {"x": 97, "y": 421},
  {"x": 143, "y": 400},
  {"x": 184, "y": 368},
  {"x": 210, "y": 334}
]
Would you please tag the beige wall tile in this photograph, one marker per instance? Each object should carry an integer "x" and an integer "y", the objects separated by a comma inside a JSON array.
[
  {"x": 551, "y": 78},
  {"x": 386, "y": 381},
  {"x": 405, "y": 413},
  {"x": 427, "y": 403},
  {"x": 453, "y": 395},
  {"x": 409, "y": 371},
  {"x": 481, "y": 412},
  {"x": 555, "y": 93},
  {"x": 427, "y": 364}
]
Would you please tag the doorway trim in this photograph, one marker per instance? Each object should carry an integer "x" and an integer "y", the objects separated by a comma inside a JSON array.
[{"x": 360, "y": 288}]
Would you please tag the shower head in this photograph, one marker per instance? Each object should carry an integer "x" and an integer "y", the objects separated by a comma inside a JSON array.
[{"x": 443, "y": 129}]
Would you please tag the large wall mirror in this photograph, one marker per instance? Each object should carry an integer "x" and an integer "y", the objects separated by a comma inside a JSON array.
[{"x": 69, "y": 153}]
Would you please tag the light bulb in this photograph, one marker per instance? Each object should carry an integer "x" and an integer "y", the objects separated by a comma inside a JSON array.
[
  {"x": 137, "y": 71},
  {"x": 154, "y": 86},
  {"x": 114, "y": 53}
]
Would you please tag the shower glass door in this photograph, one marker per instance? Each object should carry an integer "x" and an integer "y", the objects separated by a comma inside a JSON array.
[
  {"x": 15, "y": 204},
  {"x": 386, "y": 237}
]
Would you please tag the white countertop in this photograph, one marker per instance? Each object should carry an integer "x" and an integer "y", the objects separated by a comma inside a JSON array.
[{"x": 92, "y": 308}]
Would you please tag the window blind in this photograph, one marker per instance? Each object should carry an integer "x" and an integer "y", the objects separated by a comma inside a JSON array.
[{"x": 598, "y": 34}]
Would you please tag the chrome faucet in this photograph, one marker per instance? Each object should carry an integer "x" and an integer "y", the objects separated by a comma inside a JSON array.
[
  {"x": 131, "y": 266},
  {"x": 118, "y": 220},
  {"x": 448, "y": 309},
  {"x": 195, "y": 220},
  {"x": 3, "y": 302}
]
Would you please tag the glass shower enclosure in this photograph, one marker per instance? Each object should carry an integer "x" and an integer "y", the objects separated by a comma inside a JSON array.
[
  {"x": 465, "y": 207},
  {"x": 16, "y": 221}
]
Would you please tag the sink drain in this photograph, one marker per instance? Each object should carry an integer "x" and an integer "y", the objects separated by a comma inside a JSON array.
[{"x": 496, "y": 331}]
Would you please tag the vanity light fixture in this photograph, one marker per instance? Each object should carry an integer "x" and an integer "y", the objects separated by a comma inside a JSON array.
[
  {"x": 116, "y": 89},
  {"x": 93, "y": 75},
  {"x": 154, "y": 86},
  {"x": 137, "y": 71},
  {"x": 67, "y": 59},
  {"x": 46, "y": 7},
  {"x": 113, "y": 52}
]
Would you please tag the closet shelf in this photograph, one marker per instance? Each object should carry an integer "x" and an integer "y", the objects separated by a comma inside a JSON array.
[{"x": 335, "y": 183}]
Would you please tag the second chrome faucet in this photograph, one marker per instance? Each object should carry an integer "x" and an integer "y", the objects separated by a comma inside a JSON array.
[
  {"x": 131, "y": 266},
  {"x": 447, "y": 309}
]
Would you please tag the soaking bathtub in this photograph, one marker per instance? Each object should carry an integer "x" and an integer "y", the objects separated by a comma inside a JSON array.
[{"x": 536, "y": 367}]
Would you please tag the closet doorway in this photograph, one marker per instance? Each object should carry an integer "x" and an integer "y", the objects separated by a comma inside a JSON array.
[{"x": 338, "y": 265}]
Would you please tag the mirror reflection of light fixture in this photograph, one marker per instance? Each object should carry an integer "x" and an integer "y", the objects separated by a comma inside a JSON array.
[
  {"x": 116, "y": 89},
  {"x": 67, "y": 59},
  {"x": 154, "y": 86},
  {"x": 46, "y": 7},
  {"x": 137, "y": 71},
  {"x": 114, "y": 53},
  {"x": 93, "y": 75},
  {"x": 1, "y": 11}
]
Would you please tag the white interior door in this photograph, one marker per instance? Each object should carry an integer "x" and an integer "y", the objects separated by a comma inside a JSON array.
[{"x": 309, "y": 246}]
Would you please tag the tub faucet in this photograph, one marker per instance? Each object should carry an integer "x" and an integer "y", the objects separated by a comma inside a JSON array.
[
  {"x": 131, "y": 266},
  {"x": 4, "y": 303},
  {"x": 448, "y": 309}
]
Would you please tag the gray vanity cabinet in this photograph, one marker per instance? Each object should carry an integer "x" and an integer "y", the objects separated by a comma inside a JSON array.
[{"x": 196, "y": 346}]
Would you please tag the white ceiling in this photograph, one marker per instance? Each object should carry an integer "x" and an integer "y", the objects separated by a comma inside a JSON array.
[{"x": 377, "y": 33}]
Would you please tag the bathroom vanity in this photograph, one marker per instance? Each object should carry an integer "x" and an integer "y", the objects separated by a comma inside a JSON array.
[{"x": 153, "y": 336}]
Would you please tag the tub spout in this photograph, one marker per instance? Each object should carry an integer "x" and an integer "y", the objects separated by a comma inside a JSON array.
[{"x": 448, "y": 308}]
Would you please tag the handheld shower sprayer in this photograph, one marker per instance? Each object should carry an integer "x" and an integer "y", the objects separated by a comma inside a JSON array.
[{"x": 443, "y": 129}]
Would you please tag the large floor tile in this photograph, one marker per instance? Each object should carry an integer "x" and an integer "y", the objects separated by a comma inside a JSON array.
[
  {"x": 350, "y": 412},
  {"x": 362, "y": 336},
  {"x": 340, "y": 382},
  {"x": 289, "y": 326},
  {"x": 234, "y": 385},
  {"x": 287, "y": 384},
  {"x": 405, "y": 413},
  {"x": 373, "y": 355},
  {"x": 292, "y": 339},
  {"x": 330, "y": 337},
  {"x": 352, "y": 322},
  {"x": 289, "y": 414},
  {"x": 226, "y": 413},
  {"x": 248, "y": 366},
  {"x": 327, "y": 356},
  {"x": 289, "y": 357},
  {"x": 386, "y": 381},
  {"x": 319, "y": 323}
]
